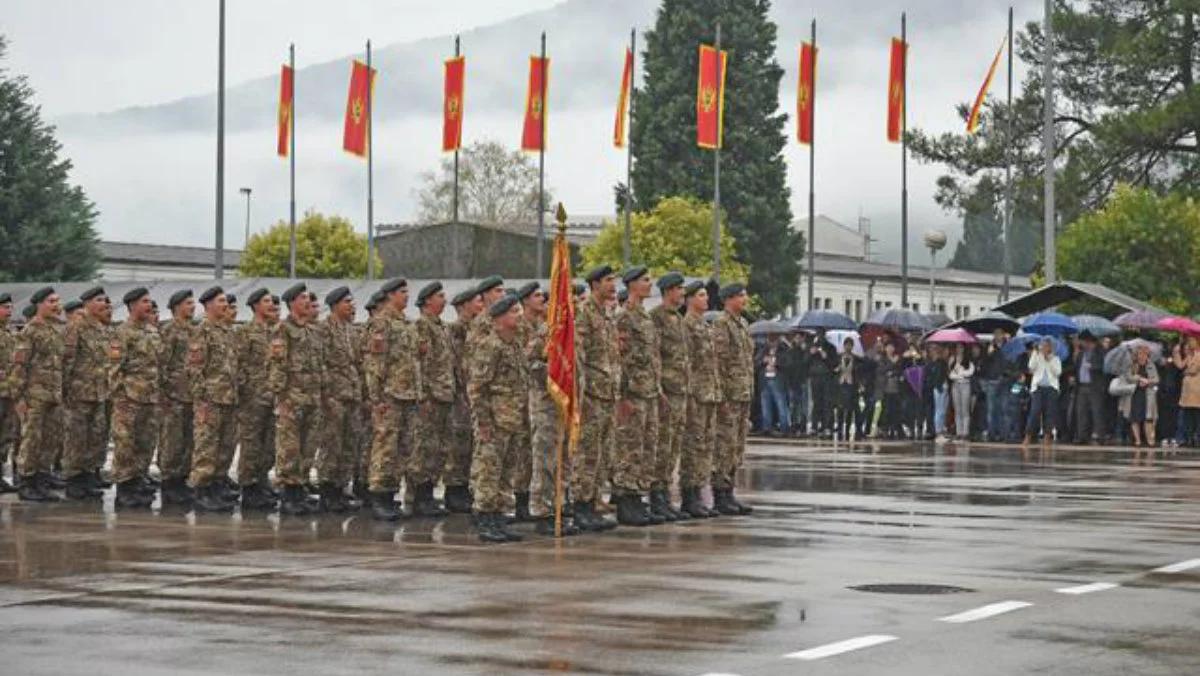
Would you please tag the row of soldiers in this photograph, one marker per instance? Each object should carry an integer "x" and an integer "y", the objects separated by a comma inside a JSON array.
[{"x": 370, "y": 406}]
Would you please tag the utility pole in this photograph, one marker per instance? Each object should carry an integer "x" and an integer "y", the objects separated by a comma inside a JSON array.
[{"x": 219, "y": 262}]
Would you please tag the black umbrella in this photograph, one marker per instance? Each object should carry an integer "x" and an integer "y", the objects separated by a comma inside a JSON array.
[
  {"x": 990, "y": 321},
  {"x": 825, "y": 320},
  {"x": 937, "y": 319},
  {"x": 766, "y": 327},
  {"x": 899, "y": 319}
]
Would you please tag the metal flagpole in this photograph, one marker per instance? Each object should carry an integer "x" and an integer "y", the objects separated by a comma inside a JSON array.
[
  {"x": 904, "y": 168},
  {"x": 219, "y": 262},
  {"x": 541, "y": 236},
  {"x": 717, "y": 169},
  {"x": 370, "y": 170},
  {"x": 292, "y": 167},
  {"x": 812, "y": 171},
  {"x": 1048, "y": 143},
  {"x": 627, "y": 249},
  {"x": 457, "y": 53},
  {"x": 1008, "y": 142}
]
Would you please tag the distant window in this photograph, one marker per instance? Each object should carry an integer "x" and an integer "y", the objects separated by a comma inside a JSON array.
[
  {"x": 887, "y": 304},
  {"x": 848, "y": 306},
  {"x": 916, "y": 307},
  {"x": 828, "y": 303},
  {"x": 858, "y": 311}
]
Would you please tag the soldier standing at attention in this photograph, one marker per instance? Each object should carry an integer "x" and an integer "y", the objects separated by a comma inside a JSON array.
[
  {"x": 491, "y": 289},
  {"x": 342, "y": 401},
  {"x": 175, "y": 440},
  {"x": 135, "y": 399},
  {"x": 36, "y": 383},
  {"x": 672, "y": 405},
  {"x": 256, "y": 404},
  {"x": 596, "y": 344},
  {"x": 362, "y": 462},
  {"x": 295, "y": 380},
  {"x": 437, "y": 383},
  {"x": 735, "y": 361},
  {"x": 8, "y": 416},
  {"x": 212, "y": 371},
  {"x": 393, "y": 373},
  {"x": 533, "y": 311},
  {"x": 704, "y": 393},
  {"x": 498, "y": 388},
  {"x": 457, "y": 475},
  {"x": 73, "y": 310},
  {"x": 86, "y": 363}
]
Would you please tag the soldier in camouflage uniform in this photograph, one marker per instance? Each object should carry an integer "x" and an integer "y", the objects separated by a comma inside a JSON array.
[
  {"x": 8, "y": 417},
  {"x": 135, "y": 397},
  {"x": 637, "y": 411},
  {"x": 175, "y": 438},
  {"x": 87, "y": 361},
  {"x": 704, "y": 392},
  {"x": 212, "y": 371},
  {"x": 36, "y": 382},
  {"x": 393, "y": 374},
  {"x": 735, "y": 360},
  {"x": 672, "y": 406},
  {"x": 533, "y": 312},
  {"x": 256, "y": 404},
  {"x": 362, "y": 461},
  {"x": 432, "y": 425},
  {"x": 498, "y": 389},
  {"x": 457, "y": 475},
  {"x": 600, "y": 372},
  {"x": 342, "y": 402},
  {"x": 296, "y": 381}
]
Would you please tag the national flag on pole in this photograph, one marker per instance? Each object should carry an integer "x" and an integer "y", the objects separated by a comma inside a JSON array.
[
  {"x": 358, "y": 114},
  {"x": 533, "y": 135},
  {"x": 896, "y": 90},
  {"x": 976, "y": 109},
  {"x": 285, "y": 111},
  {"x": 561, "y": 379},
  {"x": 623, "y": 100},
  {"x": 452, "y": 109},
  {"x": 806, "y": 92},
  {"x": 710, "y": 97}
]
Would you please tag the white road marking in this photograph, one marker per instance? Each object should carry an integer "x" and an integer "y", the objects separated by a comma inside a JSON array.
[
  {"x": 719, "y": 674},
  {"x": 1088, "y": 588},
  {"x": 840, "y": 647},
  {"x": 1179, "y": 567},
  {"x": 985, "y": 612}
]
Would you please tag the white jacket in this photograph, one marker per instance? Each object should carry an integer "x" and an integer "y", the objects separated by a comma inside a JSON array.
[{"x": 1039, "y": 367}]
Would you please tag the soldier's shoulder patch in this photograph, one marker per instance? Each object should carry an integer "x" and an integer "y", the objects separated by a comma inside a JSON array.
[
  {"x": 378, "y": 341},
  {"x": 196, "y": 352},
  {"x": 114, "y": 349},
  {"x": 21, "y": 355},
  {"x": 277, "y": 346}
]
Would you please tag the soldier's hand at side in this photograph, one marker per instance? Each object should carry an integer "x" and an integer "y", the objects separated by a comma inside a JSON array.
[
  {"x": 22, "y": 408},
  {"x": 485, "y": 433},
  {"x": 382, "y": 408}
]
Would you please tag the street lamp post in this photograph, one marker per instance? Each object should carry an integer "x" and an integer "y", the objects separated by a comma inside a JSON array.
[
  {"x": 246, "y": 241},
  {"x": 935, "y": 241}
]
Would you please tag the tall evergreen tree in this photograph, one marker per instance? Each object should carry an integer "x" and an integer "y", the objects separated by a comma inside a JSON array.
[
  {"x": 46, "y": 224},
  {"x": 982, "y": 210},
  {"x": 667, "y": 162}
]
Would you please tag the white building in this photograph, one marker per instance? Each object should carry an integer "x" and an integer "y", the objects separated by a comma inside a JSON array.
[{"x": 129, "y": 262}]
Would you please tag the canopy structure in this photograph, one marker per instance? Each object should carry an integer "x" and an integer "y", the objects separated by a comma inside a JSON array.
[{"x": 1055, "y": 294}]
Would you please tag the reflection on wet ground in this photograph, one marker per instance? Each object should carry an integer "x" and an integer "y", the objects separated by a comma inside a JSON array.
[{"x": 86, "y": 589}]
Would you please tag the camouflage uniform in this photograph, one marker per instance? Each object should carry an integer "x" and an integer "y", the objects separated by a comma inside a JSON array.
[
  {"x": 295, "y": 380},
  {"x": 672, "y": 407},
  {"x": 135, "y": 396},
  {"x": 212, "y": 369},
  {"x": 256, "y": 404},
  {"x": 522, "y": 475},
  {"x": 8, "y": 416},
  {"x": 362, "y": 461},
  {"x": 735, "y": 362},
  {"x": 458, "y": 456},
  {"x": 544, "y": 426},
  {"x": 498, "y": 389},
  {"x": 87, "y": 359},
  {"x": 393, "y": 373},
  {"x": 596, "y": 344},
  {"x": 704, "y": 393},
  {"x": 37, "y": 378},
  {"x": 637, "y": 412},
  {"x": 342, "y": 404},
  {"x": 175, "y": 439},
  {"x": 437, "y": 383}
]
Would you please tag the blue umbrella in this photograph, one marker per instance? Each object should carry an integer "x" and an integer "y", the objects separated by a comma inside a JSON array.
[
  {"x": 1097, "y": 326},
  {"x": 1017, "y": 345},
  {"x": 1050, "y": 324},
  {"x": 825, "y": 320},
  {"x": 899, "y": 319}
]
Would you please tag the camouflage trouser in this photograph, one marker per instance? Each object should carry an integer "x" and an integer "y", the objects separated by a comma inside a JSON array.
[
  {"x": 672, "y": 416},
  {"x": 431, "y": 436},
  {"x": 637, "y": 436},
  {"x": 134, "y": 430},
  {"x": 41, "y": 437},
  {"x": 458, "y": 456},
  {"x": 9, "y": 429},
  {"x": 297, "y": 429},
  {"x": 85, "y": 430},
  {"x": 696, "y": 460},
  {"x": 733, "y": 423},
  {"x": 391, "y": 445},
  {"x": 175, "y": 441},
  {"x": 341, "y": 424},
  {"x": 597, "y": 421},
  {"x": 492, "y": 465},
  {"x": 362, "y": 458},
  {"x": 256, "y": 432},
  {"x": 544, "y": 428},
  {"x": 216, "y": 439}
]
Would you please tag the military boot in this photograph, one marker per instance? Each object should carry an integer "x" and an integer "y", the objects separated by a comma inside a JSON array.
[
  {"x": 742, "y": 509},
  {"x": 384, "y": 507},
  {"x": 209, "y": 499},
  {"x": 502, "y": 527},
  {"x": 692, "y": 504},
  {"x": 522, "y": 507},
  {"x": 585, "y": 519},
  {"x": 53, "y": 481},
  {"x": 226, "y": 489},
  {"x": 488, "y": 526},
  {"x": 79, "y": 488},
  {"x": 630, "y": 510},
  {"x": 723, "y": 502},
  {"x": 6, "y": 487},
  {"x": 425, "y": 504},
  {"x": 176, "y": 492},
  {"x": 32, "y": 489},
  {"x": 660, "y": 506},
  {"x": 652, "y": 518},
  {"x": 99, "y": 480},
  {"x": 254, "y": 497},
  {"x": 360, "y": 490},
  {"x": 545, "y": 526},
  {"x": 331, "y": 498},
  {"x": 130, "y": 495},
  {"x": 350, "y": 500},
  {"x": 458, "y": 499}
]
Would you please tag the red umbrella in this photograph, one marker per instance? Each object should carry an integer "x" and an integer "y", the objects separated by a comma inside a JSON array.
[{"x": 1178, "y": 325}]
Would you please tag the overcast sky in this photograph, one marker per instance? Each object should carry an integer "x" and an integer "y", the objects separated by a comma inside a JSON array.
[{"x": 86, "y": 57}]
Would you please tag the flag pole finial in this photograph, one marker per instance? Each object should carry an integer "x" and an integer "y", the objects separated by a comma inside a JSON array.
[{"x": 560, "y": 215}]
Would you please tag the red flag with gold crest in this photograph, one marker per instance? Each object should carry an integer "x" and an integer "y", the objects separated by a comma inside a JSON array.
[
  {"x": 897, "y": 84},
  {"x": 286, "y": 102},
  {"x": 452, "y": 111},
  {"x": 533, "y": 134},
  {"x": 358, "y": 109},
  {"x": 710, "y": 97},
  {"x": 560, "y": 342},
  {"x": 806, "y": 92}
]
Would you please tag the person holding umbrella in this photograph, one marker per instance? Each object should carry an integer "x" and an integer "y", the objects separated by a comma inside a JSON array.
[
  {"x": 1044, "y": 369},
  {"x": 962, "y": 370},
  {"x": 1139, "y": 400},
  {"x": 1091, "y": 387},
  {"x": 1188, "y": 361}
]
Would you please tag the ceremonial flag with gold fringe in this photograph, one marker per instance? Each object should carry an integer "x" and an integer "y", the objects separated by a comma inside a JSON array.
[
  {"x": 285, "y": 111},
  {"x": 533, "y": 135},
  {"x": 896, "y": 90},
  {"x": 452, "y": 107},
  {"x": 973, "y": 118},
  {"x": 358, "y": 113},
  {"x": 623, "y": 100},
  {"x": 806, "y": 92},
  {"x": 560, "y": 342},
  {"x": 710, "y": 97}
]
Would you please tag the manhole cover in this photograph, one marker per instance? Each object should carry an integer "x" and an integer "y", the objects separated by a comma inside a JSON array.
[{"x": 911, "y": 588}]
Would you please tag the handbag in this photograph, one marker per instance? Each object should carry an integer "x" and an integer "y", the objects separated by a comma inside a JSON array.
[{"x": 1120, "y": 388}]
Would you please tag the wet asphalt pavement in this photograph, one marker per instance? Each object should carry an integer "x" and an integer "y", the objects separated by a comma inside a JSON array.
[{"x": 86, "y": 590}]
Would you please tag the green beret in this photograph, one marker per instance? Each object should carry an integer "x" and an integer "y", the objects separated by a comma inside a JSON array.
[
  {"x": 91, "y": 293},
  {"x": 41, "y": 295},
  {"x": 276, "y": 299},
  {"x": 134, "y": 295},
  {"x": 527, "y": 290},
  {"x": 255, "y": 297},
  {"x": 465, "y": 296},
  {"x": 427, "y": 291},
  {"x": 72, "y": 305},
  {"x": 670, "y": 281},
  {"x": 5, "y": 298},
  {"x": 375, "y": 300},
  {"x": 598, "y": 273},
  {"x": 578, "y": 288},
  {"x": 692, "y": 287},
  {"x": 337, "y": 295},
  {"x": 622, "y": 296},
  {"x": 730, "y": 290},
  {"x": 294, "y": 292},
  {"x": 29, "y": 311},
  {"x": 394, "y": 285},
  {"x": 489, "y": 283},
  {"x": 210, "y": 294},
  {"x": 506, "y": 303},
  {"x": 635, "y": 273}
]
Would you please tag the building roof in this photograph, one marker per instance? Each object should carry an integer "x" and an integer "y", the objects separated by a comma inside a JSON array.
[
  {"x": 1065, "y": 291},
  {"x": 833, "y": 238},
  {"x": 165, "y": 254},
  {"x": 839, "y": 266},
  {"x": 578, "y": 232}
]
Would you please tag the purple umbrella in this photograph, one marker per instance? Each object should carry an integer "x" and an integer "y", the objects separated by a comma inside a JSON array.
[
  {"x": 1141, "y": 319},
  {"x": 915, "y": 375}
]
